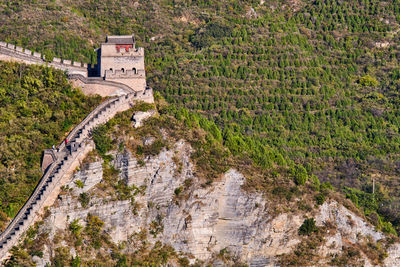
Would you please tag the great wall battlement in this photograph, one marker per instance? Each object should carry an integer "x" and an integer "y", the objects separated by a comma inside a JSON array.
[
  {"x": 132, "y": 51},
  {"x": 114, "y": 83},
  {"x": 11, "y": 52},
  {"x": 125, "y": 74},
  {"x": 67, "y": 159}
]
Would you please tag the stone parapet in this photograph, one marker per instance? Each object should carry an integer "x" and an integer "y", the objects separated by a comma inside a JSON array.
[
  {"x": 16, "y": 53},
  {"x": 36, "y": 54},
  {"x": 117, "y": 74}
]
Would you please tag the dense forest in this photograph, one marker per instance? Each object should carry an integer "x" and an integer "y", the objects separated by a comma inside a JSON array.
[{"x": 303, "y": 88}]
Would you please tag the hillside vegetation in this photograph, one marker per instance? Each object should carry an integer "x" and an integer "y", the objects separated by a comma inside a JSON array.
[{"x": 301, "y": 87}]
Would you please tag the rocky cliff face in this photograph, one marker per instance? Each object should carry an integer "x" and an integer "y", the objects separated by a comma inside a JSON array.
[{"x": 205, "y": 223}]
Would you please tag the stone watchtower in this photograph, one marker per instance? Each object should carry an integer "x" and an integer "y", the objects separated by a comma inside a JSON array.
[{"x": 122, "y": 62}]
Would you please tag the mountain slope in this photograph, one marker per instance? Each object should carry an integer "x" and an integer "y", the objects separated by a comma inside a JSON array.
[
  {"x": 301, "y": 88},
  {"x": 166, "y": 193}
]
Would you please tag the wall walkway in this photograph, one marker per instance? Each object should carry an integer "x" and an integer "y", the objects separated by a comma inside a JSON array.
[{"x": 110, "y": 85}]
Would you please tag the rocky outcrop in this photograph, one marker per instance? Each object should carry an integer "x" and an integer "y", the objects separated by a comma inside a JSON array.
[
  {"x": 139, "y": 117},
  {"x": 393, "y": 257},
  {"x": 346, "y": 222},
  {"x": 89, "y": 176},
  {"x": 203, "y": 221},
  {"x": 349, "y": 230}
]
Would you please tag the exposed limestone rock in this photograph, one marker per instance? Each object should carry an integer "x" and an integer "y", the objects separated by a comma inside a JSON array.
[
  {"x": 139, "y": 117},
  {"x": 383, "y": 44},
  {"x": 90, "y": 175},
  {"x": 393, "y": 258},
  {"x": 348, "y": 224},
  {"x": 202, "y": 221},
  {"x": 39, "y": 261},
  {"x": 351, "y": 229},
  {"x": 147, "y": 141}
]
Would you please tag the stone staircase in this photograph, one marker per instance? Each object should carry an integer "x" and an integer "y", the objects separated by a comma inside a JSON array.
[{"x": 67, "y": 158}]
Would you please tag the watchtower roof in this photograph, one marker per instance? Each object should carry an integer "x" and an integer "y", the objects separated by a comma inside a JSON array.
[{"x": 121, "y": 39}]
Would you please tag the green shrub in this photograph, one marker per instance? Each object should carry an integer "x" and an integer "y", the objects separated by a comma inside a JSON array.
[
  {"x": 155, "y": 148},
  {"x": 315, "y": 182},
  {"x": 75, "y": 227},
  {"x": 178, "y": 190},
  {"x": 282, "y": 192},
  {"x": 308, "y": 227},
  {"x": 62, "y": 257},
  {"x": 320, "y": 198},
  {"x": 94, "y": 225},
  {"x": 367, "y": 80},
  {"x": 300, "y": 175},
  {"x": 84, "y": 199},
  {"x": 76, "y": 262},
  {"x": 101, "y": 139},
  {"x": 326, "y": 186},
  {"x": 387, "y": 227},
  {"x": 79, "y": 184}
]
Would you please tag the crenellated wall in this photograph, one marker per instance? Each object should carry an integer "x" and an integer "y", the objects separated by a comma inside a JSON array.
[
  {"x": 11, "y": 52},
  {"x": 112, "y": 59},
  {"x": 115, "y": 82},
  {"x": 132, "y": 78},
  {"x": 108, "y": 49},
  {"x": 125, "y": 74}
]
